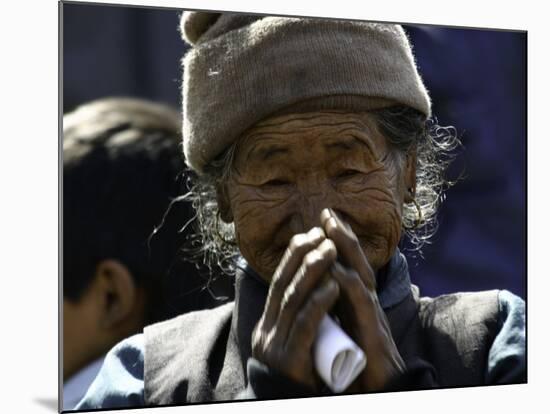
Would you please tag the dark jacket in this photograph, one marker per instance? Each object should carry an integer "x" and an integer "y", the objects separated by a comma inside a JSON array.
[
  {"x": 206, "y": 355},
  {"x": 453, "y": 340}
]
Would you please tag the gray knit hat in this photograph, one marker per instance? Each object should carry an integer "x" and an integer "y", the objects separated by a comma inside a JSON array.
[{"x": 244, "y": 68}]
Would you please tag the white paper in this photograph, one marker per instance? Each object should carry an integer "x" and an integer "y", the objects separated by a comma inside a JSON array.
[{"x": 338, "y": 359}]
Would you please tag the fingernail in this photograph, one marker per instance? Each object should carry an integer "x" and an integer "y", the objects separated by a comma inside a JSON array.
[
  {"x": 316, "y": 233},
  {"x": 328, "y": 245},
  {"x": 334, "y": 215}
]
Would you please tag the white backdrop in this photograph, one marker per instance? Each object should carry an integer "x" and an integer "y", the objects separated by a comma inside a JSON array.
[{"x": 29, "y": 203}]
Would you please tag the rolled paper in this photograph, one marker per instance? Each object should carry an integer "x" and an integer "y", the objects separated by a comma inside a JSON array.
[{"x": 338, "y": 360}]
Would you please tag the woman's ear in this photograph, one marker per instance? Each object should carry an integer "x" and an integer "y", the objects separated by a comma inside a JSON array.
[
  {"x": 410, "y": 175},
  {"x": 224, "y": 205}
]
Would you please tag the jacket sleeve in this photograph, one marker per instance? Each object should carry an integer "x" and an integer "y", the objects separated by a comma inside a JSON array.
[
  {"x": 119, "y": 383},
  {"x": 266, "y": 383},
  {"x": 506, "y": 361},
  {"x": 418, "y": 375}
]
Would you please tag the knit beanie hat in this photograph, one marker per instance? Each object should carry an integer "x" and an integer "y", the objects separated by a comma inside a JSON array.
[{"x": 242, "y": 69}]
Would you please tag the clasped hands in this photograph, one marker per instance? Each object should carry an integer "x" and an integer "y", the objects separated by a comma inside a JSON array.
[{"x": 325, "y": 270}]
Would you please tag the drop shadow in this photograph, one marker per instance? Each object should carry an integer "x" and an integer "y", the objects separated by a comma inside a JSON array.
[{"x": 49, "y": 403}]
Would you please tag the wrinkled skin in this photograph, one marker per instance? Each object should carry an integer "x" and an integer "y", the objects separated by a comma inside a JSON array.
[{"x": 317, "y": 201}]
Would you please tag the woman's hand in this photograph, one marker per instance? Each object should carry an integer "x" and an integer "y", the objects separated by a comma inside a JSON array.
[
  {"x": 306, "y": 285},
  {"x": 358, "y": 308},
  {"x": 301, "y": 293}
]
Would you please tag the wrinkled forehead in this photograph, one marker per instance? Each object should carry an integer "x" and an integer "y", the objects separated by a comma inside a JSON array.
[{"x": 327, "y": 132}]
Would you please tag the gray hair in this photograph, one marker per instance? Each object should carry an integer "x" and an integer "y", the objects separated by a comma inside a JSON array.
[
  {"x": 213, "y": 241},
  {"x": 436, "y": 147}
]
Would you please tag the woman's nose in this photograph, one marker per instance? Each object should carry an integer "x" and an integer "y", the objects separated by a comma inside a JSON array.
[{"x": 311, "y": 204}]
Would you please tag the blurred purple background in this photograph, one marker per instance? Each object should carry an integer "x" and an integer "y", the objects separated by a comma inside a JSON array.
[{"x": 477, "y": 81}]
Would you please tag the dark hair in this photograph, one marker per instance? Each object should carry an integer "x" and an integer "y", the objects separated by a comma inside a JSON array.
[{"x": 122, "y": 166}]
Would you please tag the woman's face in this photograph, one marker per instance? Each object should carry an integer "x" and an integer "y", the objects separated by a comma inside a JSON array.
[{"x": 287, "y": 169}]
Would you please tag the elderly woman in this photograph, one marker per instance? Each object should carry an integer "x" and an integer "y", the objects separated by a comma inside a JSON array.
[{"x": 313, "y": 157}]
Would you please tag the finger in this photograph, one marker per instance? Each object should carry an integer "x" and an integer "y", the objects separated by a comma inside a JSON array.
[
  {"x": 307, "y": 321},
  {"x": 298, "y": 247},
  {"x": 354, "y": 292},
  {"x": 368, "y": 324},
  {"x": 363, "y": 311},
  {"x": 348, "y": 246},
  {"x": 314, "y": 267}
]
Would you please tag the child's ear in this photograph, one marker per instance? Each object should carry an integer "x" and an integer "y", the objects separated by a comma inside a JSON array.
[
  {"x": 117, "y": 293},
  {"x": 224, "y": 205}
]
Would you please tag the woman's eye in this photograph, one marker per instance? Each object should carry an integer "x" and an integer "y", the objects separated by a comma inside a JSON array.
[
  {"x": 275, "y": 183},
  {"x": 348, "y": 174}
]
